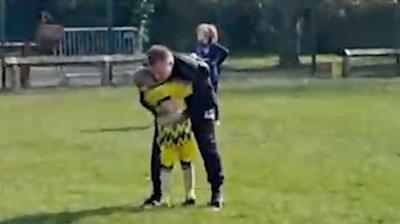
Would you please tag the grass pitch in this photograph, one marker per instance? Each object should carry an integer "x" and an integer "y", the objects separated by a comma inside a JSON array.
[{"x": 302, "y": 152}]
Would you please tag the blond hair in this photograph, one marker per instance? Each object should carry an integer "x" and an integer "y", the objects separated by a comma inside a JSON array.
[
  {"x": 207, "y": 33},
  {"x": 203, "y": 32}
]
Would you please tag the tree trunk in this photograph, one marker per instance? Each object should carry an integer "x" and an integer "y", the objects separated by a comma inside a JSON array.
[{"x": 288, "y": 54}]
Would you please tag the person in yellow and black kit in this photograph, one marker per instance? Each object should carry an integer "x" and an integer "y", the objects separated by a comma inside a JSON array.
[
  {"x": 175, "y": 137},
  {"x": 201, "y": 108}
]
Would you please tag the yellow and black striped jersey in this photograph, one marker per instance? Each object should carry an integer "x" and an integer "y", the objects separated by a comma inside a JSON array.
[{"x": 172, "y": 89}]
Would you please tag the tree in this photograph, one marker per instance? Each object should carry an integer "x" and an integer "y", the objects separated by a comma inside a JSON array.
[
  {"x": 287, "y": 16},
  {"x": 94, "y": 12}
]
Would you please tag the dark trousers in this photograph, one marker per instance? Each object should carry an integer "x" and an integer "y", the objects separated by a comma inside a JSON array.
[
  {"x": 204, "y": 133},
  {"x": 155, "y": 164},
  {"x": 215, "y": 86}
]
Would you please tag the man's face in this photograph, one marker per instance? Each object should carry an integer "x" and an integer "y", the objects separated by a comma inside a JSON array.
[{"x": 162, "y": 70}]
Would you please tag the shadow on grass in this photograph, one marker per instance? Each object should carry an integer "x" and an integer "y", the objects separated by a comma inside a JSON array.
[
  {"x": 119, "y": 129},
  {"x": 68, "y": 217}
]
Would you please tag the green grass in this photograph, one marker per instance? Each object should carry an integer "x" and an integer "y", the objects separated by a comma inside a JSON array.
[
  {"x": 317, "y": 152},
  {"x": 260, "y": 62},
  {"x": 268, "y": 61}
]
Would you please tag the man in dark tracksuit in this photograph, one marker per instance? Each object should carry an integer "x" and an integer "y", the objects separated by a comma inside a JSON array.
[{"x": 201, "y": 110}]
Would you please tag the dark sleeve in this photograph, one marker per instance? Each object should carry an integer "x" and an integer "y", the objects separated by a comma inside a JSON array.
[
  {"x": 190, "y": 69},
  {"x": 198, "y": 73},
  {"x": 221, "y": 53},
  {"x": 145, "y": 104},
  {"x": 196, "y": 49}
]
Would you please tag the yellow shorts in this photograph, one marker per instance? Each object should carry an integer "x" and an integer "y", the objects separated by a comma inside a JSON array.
[
  {"x": 184, "y": 153},
  {"x": 177, "y": 143}
]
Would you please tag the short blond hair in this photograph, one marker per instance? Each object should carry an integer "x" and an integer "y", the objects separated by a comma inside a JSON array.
[
  {"x": 207, "y": 32},
  {"x": 203, "y": 32}
]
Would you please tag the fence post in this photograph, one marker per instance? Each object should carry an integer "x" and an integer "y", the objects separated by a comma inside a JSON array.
[
  {"x": 109, "y": 68},
  {"x": 104, "y": 75},
  {"x": 3, "y": 75},
  {"x": 25, "y": 69},
  {"x": 313, "y": 63},
  {"x": 15, "y": 80},
  {"x": 106, "y": 72},
  {"x": 313, "y": 42},
  {"x": 397, "y": 63},
  {"x": 346, "y": 65}
]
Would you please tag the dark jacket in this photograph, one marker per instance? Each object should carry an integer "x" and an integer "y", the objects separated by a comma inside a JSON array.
[
  {"x": 197, "y": 72},
  {"x": 214, "y": 55}
]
